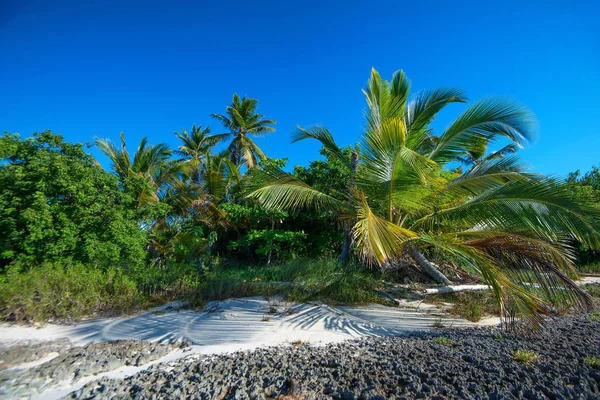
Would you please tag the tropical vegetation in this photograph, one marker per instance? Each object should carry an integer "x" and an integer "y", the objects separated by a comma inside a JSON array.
[{"x": 411, "y": 201}]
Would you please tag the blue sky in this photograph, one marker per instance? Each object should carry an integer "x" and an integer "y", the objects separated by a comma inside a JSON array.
[{"x": 96, "y": 68}]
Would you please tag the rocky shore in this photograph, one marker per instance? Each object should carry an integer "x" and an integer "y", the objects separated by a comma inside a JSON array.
[
  {"x": 460, "y": 363},
  {"x": 71, "y": 363}
]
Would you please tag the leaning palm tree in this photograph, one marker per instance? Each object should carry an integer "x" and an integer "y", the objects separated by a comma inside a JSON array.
[
  {"x": 242, "y": 121},
  {"x": 195, "y": 148},
  {"x": 510, "y": 227},
  {"x": 150, "y": 162}
]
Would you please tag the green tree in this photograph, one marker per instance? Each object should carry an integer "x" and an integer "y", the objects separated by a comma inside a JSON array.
[
  {"x": 57, "y": 204},
  {"x": 150, "y": 165},
  {"x": 510, "y": 227},
  {"x": 242, "y": 121},
  {"x": 195, "y": 147}
]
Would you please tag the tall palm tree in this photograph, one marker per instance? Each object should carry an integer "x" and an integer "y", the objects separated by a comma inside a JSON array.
[
  {"x": 151, "y": 162},
  {"x": 510, "y": 227},
  {"x": 195, "y": 148},
  {"x": 242, "y": 121}
]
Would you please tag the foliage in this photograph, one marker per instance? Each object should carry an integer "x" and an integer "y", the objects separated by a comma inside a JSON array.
[
  {"x": 589, "y": 268},
  {"x": 594, "y": 317},
  {"x": 593, "y": 289},
  {"x": 56, "y": 204},
  {"x": 470, "y": 305},
  {"x": 242, "y": 121},
  {"x": 443, "y": 340},
  {"x": 506, "y": 225},
  {"x": 586, "y": 187},
  {"x": 593, "y": 362},
  {"x": 65, "y": 292},
  {"x": 525, "y": 356},
  {"x": 329, "y": 281},
  {"x": 150, "y": 164},
  {"x": 272, "y": 241},
  {"x": 299, "y": 280},
  {"x": 330, "y": 176}
]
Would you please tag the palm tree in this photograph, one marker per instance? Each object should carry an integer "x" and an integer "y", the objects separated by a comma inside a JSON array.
[
  {"x": 510, "y": 227},
  {"x": 195, "y": 148},
  {"x": 242, "y": 121},
  {"x": 150, "y": 162}
]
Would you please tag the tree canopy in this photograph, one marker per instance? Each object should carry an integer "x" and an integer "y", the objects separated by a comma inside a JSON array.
[{"x": 57, "y": 203}]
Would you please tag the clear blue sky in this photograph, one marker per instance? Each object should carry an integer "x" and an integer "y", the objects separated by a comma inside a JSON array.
[{"x": 96, "y": 68}]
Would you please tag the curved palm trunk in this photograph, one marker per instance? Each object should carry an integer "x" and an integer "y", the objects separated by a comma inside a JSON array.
[{"x": 427, "y": 266}]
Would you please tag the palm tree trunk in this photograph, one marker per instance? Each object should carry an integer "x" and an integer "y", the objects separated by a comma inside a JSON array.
[
  {"x": 427, "y": 266},
  {"x": 271, "y": 249},
  {"x": 345, "y": 255}
]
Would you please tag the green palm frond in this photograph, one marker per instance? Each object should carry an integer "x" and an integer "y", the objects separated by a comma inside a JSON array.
[
  {"x": 241, "y": 120},
  {"x": 542, "y": 205},
  {"x": 512, "y": 228},
  {"x": 279, "y": 190},
  {"x": 485, "y": 121},
  {"x": 423, "y": 108},
  {"x": 379, "y": 241},
  {"x": 323, "y": 135},
  {"x": 488, "y": 174},
  {"x": 118, "y": 156}
]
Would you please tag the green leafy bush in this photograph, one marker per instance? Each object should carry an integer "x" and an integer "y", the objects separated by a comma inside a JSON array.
[
  {"x": 443, "y": 340},
  {"x": 272, "y": 242},
  {"x": 53, "y": 292},
  {"x": 57, "y": 204},
  {"x": 525, "y": 356},
  {"x": 593, "y": 362}
]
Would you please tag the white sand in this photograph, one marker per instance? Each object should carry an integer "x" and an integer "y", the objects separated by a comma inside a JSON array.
[
  {"x": 238, "y": 324},
  {"x": 246, "y": 323}
]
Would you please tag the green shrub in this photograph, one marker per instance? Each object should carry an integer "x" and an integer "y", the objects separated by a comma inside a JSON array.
[
  {"x": 594, "y": 317},
  {"x": 591, "y": 268},
  {"x": 442, "y": 340},
  {"x": 57, "y": 205},
  {"x": 470, "y": 305},
  {"x": 525, "y": 356},
  {"x": 65, "y": 292},
  {"x": 593, "y": 289},
  {"x": 593, "y": 362}
]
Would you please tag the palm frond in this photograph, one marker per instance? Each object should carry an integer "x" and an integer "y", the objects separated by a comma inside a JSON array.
[
  {"x": 378, "y": 240},
  {"x": 485, "y": 121},
  {"x": 279, "y": 190},
  {"x": 323, "y": 135}
]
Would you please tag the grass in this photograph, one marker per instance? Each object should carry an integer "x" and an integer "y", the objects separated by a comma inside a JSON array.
[
  {"x": 593, "y": 362},
  {"x": 591, "y": 268},
  {"x": 70, "y": 292},
  {"x": 525, "y": 356},
  {"x": 66, "y": 292},
  {"x": 469, "y": 305},
  {"x": 298, "y": 280},
  {"x": 443, "y": 340},
  {"x": 594, "y": 317},
  {"x": 592, "y": 288}
]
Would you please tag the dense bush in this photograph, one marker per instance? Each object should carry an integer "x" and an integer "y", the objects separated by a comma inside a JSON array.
[{"x": 57, "y": 204}]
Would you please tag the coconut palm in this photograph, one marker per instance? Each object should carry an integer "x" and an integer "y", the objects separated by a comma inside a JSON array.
[
  {"x": 150, "y": 162},
  {"x": 195, "y": 147},
  {"x": 510, "y": 227},
  {"x": 242, "y": 121}
]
